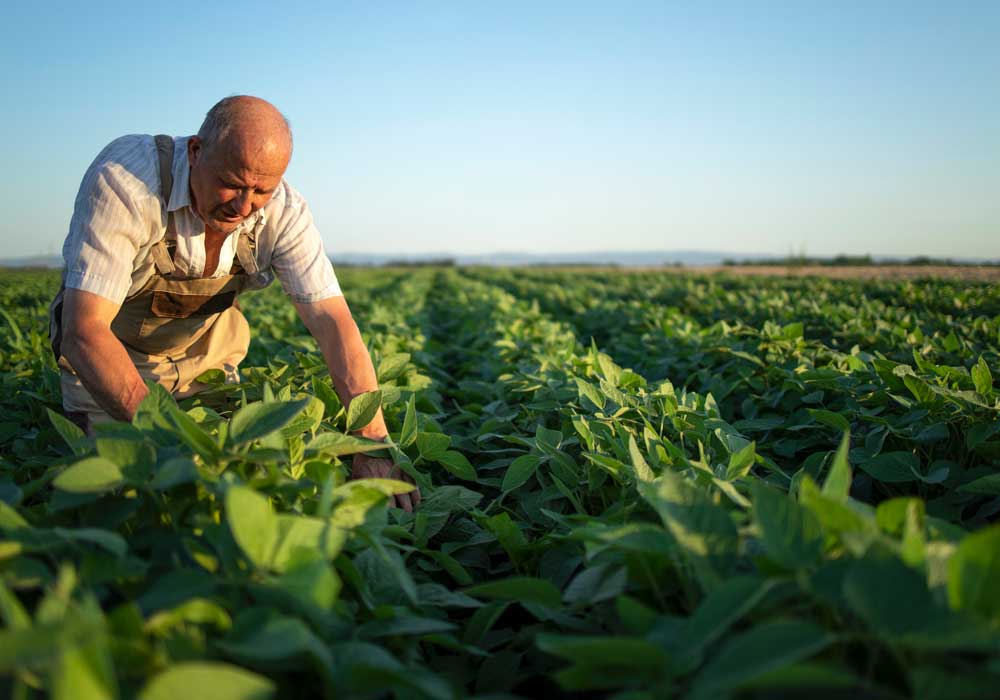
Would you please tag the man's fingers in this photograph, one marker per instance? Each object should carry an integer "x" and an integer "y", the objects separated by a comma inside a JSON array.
[
  {"x": 403, "y": 501},
  {"x": 415, "y": 497}
]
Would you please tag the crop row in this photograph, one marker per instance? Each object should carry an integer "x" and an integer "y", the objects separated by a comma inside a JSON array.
[{"x": 638, "y": 486}]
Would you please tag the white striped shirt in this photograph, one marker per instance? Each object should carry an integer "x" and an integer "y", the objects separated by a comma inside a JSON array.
[{"x": 118, "y": 217}]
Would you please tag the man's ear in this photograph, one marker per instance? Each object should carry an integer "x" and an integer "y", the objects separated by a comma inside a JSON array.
[{"x": 194, "y": 149}]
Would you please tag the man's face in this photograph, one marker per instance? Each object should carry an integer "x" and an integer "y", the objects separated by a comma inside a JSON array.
[{"x": 231, "y": 181}]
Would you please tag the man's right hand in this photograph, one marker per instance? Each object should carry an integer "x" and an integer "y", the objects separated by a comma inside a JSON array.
[{"x": 97, "y": 356}]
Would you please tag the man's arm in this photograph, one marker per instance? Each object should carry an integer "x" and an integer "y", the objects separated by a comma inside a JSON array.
[
  {"x": 331, "y": 324},
  {"x": 97, "y": 356}
]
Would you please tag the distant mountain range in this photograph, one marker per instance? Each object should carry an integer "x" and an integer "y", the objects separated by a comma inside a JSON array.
[
  {"x": 692, "y": 258},
  {"x": 628, "y": 258}
]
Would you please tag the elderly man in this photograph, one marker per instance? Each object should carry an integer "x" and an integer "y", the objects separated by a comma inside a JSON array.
[{"x": 166, "y": 232}]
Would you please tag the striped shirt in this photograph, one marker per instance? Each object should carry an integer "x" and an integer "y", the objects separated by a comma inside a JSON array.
[{"x": 118, "y": 217}]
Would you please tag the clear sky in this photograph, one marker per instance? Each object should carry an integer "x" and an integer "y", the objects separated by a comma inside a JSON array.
[{"x": 472, "y": 127}]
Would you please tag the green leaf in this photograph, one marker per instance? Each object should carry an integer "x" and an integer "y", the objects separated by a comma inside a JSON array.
[
  {"x": 311, "y": 580},
  {"x": 974, "y": 574},
  {"x": 988, "y": 485},
  {"x": 722, "y": 608},
  {"x": 829, "y": 418},
  {"x": 508, "y": 533},
  {"x": 279, "y": 640},
  {"x": 175, "y": 472},
  {"x": 259, "y": 419},
  {"x": 982, "y": 377},
  {"x": 519, "y": 471},
  {"x": 252, "y": 522},
  {"x": 208, "y": 679},
  {"x": 457, "y": 464},
  {"x": 611, "y": 371},
  {"x": 606, "y": 662},
  {"x": 192, "y": 434},
  {"x": 298, "y": 532},
  {"x": 199, "y": 611},
  {"x": 362, "y": 409},
  {"x": 590, "y": 392},
  {"x": 387, "y": 487},
  {"x": 835, "y": 517},
  {"x": 838, "y": 481},
  {"x": 69, "y": 431},
  {"x": 111, "y": 541},
  {"x": 10, "y": 519},
  {"x": 331, "y": 402},
  {"x": 392, "y": 366},
  {"x": 338, "y": 444},
  {"x": 762, "y": 649},
  {"x": 790, "y": 534},
  {"x": 214, "y": 377},
  {"x": 386, "y": 575},
  {"x": 893, "y": 467},
  {"x": 704, "y": 530},
  {"x": 889, "y": 596},
  {"x": 91, "y": 475},
  {"x": 521, "y": 589},
  {"x": 408, "y": 433},
  {"x": 596, "y": 584},
  {"x": 793, "y": 331},
  {"x": 85, "y": 672},
  {"x": 919, "y": 388},
  {"x": 12, "y": 612},
  {"x": 432, "y": 446},
  {"x": 642, "y": 470},
  {"x": 548, "y": 440},
  {"x": 741, "y": 462}
]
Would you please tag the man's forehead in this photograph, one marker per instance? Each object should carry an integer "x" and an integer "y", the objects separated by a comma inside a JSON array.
[{"x": 262, "y": 163}]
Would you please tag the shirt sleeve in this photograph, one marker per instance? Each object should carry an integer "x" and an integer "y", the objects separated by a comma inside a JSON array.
[
  {"x": 299, "y": 259},
  {"x": 111, "y": 220}
]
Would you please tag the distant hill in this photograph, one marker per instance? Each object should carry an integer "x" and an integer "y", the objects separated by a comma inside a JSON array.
[
  {"x": 648, "y": 257},
  {"x": 687, "y": 258},
  {"x": 34, "y": 261},
  {"x": 624, "y": 258}
]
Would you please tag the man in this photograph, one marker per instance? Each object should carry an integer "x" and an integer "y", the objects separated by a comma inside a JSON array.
[{"x": 166, "y": 232}]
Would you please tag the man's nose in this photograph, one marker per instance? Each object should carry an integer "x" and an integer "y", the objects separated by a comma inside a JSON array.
[{"x": 244, "y": 202}]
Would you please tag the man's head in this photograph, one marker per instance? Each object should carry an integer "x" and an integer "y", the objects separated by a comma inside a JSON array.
[{"x": 237, "y": 160}]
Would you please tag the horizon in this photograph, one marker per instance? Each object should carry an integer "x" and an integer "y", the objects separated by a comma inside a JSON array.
[
  {"x": 621, "y": 258},
  {"x": 570, "y": 127}
]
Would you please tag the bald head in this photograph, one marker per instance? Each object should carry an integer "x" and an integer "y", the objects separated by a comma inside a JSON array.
[{"x": 247, "y": 125}]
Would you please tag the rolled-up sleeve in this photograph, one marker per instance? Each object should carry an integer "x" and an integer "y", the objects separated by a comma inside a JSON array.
[
  {"x": 110, "y": 222},
  {"x": 299, "y": 259}
]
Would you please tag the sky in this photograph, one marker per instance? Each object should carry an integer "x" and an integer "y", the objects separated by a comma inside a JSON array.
[{"x": 474, "y": 127}]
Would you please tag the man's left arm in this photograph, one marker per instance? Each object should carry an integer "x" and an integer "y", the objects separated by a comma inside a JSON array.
[{"x": 330, "y": 322}]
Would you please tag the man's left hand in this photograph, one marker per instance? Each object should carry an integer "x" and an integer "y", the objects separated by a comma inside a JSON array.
[{"x": 365, "y": 467}]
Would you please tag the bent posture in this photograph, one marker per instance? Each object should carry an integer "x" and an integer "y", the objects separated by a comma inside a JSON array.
[{"x": 166, "y": 233}]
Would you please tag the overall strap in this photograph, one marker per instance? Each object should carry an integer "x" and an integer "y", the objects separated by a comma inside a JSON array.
[
  {"x": 165, "y": 152},
  {"x": 245, "y": 246}
]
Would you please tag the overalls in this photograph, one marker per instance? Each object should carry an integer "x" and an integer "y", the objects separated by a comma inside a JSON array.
[{"x": 173, "y": 328}]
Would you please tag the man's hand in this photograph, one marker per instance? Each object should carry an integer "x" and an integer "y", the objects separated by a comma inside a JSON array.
[{"x": 365, "y": 467}]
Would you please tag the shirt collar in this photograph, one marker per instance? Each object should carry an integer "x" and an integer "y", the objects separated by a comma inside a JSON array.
[{"x": 180, "y": 195}]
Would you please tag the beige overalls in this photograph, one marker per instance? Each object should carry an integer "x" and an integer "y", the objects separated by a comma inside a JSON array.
[{"x": 173, "y": 328}]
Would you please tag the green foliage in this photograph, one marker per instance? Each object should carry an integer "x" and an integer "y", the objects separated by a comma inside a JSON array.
[{"x": 635, "y": 485}]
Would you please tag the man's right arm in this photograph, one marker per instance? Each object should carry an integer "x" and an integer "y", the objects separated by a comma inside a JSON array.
[{"x": 97, "y": 356}]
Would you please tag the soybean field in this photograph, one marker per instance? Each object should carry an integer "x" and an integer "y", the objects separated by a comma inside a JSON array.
[{"x": 636, "y": 485}]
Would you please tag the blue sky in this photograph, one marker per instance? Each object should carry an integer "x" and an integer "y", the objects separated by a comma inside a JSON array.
[{"x": 856, "y": 127}]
